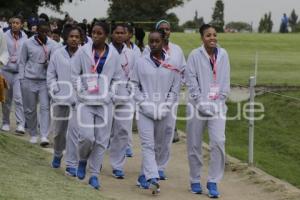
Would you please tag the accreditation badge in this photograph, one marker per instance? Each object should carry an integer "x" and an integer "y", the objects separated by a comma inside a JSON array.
[
  {"x": 92, "y": 84},
  {"x": 214, "y": 91}
]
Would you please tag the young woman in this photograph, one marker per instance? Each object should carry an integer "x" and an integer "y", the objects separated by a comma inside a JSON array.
[
  {"x": 129, "y": 44},
  {"x": 137, "y": 53},
  {"x": 33, "y": 63},
  {"x": 95, "y": 67},
  {"x": 208, "y": 81},
  {"x": 63, "y": 100},
  {"x": 176, "y": 55},
  {"x": 15, "y": 39},
  {"x": 157, "y": 81},
  {"x": 122, "y": 122}
]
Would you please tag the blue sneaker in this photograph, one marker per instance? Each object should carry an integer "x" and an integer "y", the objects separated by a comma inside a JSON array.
[
  {"x": 162, "y": 175},
  {"x": 196, "y": 188},
  {"x": 154, "y": 186},
  {"x": 70, "y": 171},
  {"x": 142, "y": 182},
  {"x": 81, "y": 170},
  {"x": 212, "y": 190},
  {"x": 119, "y": 174},
  {"x": 94, "y": 182},
  {"x": 129, "y": 152},
  {"x": 56, "y": 162}
]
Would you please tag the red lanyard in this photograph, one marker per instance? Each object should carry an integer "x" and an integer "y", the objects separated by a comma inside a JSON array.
[
  {"x": 125, "y": 66},
  {"x": 44, "y": 48},
  {"x": 94, "y": 68},
  {"x": 214, "y": 63},
  {"x": 167, "y": 66}
]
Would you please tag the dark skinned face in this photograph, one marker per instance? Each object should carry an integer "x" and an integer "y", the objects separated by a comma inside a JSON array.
[
  {"x": 74, "y": 39},
  {"x": 98, "y": 35},
  {"x": 118, "y": 36},
  {"x": 209, "y": 38},
  {"x": 155, "y": 43},
  {"x": 43, "y": 32}
]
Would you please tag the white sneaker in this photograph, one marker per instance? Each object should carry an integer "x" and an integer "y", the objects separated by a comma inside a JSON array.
[
  {"x": 20, "y": 129},
  {"x": 44, "y": 142},
  {"x": 33, "y": 139},
  {"x": 5, "y": 127}
]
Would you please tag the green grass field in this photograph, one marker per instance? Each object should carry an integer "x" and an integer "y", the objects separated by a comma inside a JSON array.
[
  {"x": 26, "y": 175},
  {"x": 277, "y": 141},
  {"x": 278, "y": 56}
]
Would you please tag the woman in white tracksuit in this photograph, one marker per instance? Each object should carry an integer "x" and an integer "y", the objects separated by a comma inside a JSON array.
[
  {"x": 176, "y": 55},
  {"x": 156, "y": 81},
  {"x": 63, "y": 101},
  {"x": 95, "y": 67},
  {"x": 123, "y": 113},
  {"x": 33, "y": 63},
  {"x": 15, "y": 39},
  {"x": 208, "y": 81},
  {"x": 137, "y": 53}
]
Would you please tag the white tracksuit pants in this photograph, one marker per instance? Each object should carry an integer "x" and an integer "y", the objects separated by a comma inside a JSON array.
[
  {"x": 216, "y": 131},
  {"x": 121, "y": 129},
  {"x": 156, "y": 139},
  {"x": 71, "y": 155},
  {"x": 93, "y": 139},
  {"x": 35, "y": 92}
]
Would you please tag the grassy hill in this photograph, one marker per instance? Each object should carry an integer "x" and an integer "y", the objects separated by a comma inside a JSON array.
[{"x": 26, "y": 175}]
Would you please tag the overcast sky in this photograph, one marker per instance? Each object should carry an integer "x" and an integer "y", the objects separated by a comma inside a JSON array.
[{"x": 235, "y": 10}]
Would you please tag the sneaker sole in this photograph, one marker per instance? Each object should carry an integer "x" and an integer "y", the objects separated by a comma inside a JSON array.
[
  {"x": 213, "y": 196},
  {"x": 196, "y": 192},
  {"x": 44, "y": 144},
  {"x": 154, "y": 189},
  {"x": 69, "y": 174},
  {"x": 80, "y": 178},
  {"x": 54, "y": 167},
  {"x": 95, "y": 188},
  {"x": 20, "y": 132},
  {"x": 118, "y": 177}
]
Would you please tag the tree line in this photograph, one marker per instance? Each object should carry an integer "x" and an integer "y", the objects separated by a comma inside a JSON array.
[{"x": 151, "y": 10}]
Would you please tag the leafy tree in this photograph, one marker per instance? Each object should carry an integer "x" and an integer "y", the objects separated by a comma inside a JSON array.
[
  {"x": 196, "y": 23},
  {"x": 266, "y": 24},
  {"x": 174, "y": 20},
  {"x": 218, "y": 16},
  {"x": 144, "y": 11},
  {"x": 136, "y": 10},
  {"x": 239, "y": 26},
  {"x": 293, "y": 19},
  {"x": 297, "y": 28},
  {"x": 11, "y": 7}
]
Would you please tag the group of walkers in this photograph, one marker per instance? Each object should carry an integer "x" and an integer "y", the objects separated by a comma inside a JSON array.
[{"x": 87, "y": 92}]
